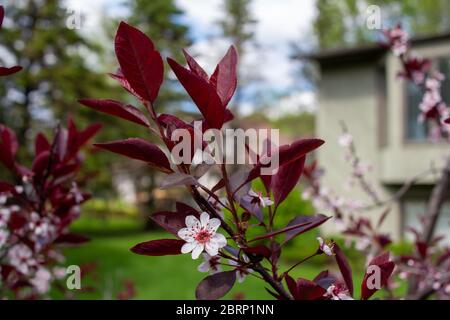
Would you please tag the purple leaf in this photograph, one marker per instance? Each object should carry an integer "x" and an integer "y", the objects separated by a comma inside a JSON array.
[
  {"x": 118, "y": 109},
  {"x": 8, "y": 71},
  {"x": 162, "y": 247},
  {"x": 224, "y": 78},
  {"x": 71, "y": 239},
  {"x": 140, "y": 62},
  {"x": 139, "y": 149},
  {"x": 202, "y": 93},
  {"x": 215, "y": 286},
  {"x": 286, "y": 179},
  {"x": 386, "y": 268},
  {"x": 306, "y": 223},
  {"x": 344, "y": 267},
  {"x": 177, "y": 179}
]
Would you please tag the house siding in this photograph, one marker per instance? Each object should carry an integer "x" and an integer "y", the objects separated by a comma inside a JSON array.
[{"x": 351, "y": 94}]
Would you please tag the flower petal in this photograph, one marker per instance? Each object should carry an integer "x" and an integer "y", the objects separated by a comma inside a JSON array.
[
  {"x": 192, "y": 221},
  {"x": 204, "y": 219},
  {"x": 204, "y": 266},
  {"x": 212, "y": 248},
  {"x": 240, "y": 276},
  {"x": 187, "y": 247},
  {"x": 219, "y": 239},
  {"x": 186, "y": 234},
  {"x": 213, "y": 224},
  {"x": 197, "y": 250}
]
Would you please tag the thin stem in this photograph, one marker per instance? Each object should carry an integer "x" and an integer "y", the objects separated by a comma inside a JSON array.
[{"x": 301, "y": 261}]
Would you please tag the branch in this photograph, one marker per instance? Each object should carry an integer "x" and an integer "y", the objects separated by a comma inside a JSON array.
[{"x": 435, "y": 203}]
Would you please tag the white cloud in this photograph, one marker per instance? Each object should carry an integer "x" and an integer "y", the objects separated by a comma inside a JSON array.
[
  {"x": 296, "y": 102},
  {"x": 279, "y": 24}
]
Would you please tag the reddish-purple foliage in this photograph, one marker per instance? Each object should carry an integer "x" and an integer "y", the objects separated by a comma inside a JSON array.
[
  {"x": 197, "y": 230},
  {"x": 38, "y": 207}
]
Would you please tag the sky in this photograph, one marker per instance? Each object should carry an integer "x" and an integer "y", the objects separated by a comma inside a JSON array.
[{"x": 279, "y": 24}]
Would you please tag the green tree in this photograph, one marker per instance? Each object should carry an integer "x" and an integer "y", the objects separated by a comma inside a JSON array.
[
  {"x": 55, "y": 73},
  {"x": 161, "y": 21},
  {"x": 341, "y": 23},
  {"x": 237, "y": 24}
]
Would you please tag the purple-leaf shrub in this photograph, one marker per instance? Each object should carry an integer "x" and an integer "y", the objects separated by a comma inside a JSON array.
[{"x": 218, "y": 227}]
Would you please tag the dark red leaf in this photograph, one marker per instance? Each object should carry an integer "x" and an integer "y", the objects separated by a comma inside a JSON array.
[
  {"x": 298, "y": 149},
  {"x": 85, "y": 135},
  {"x": 171, "y": 120},
  {"x": 139, "y": 149},
  {"x": 41, "y": 144},
  {"x": 215, "y": 286},
  {"x": 292, "y": 285},
  {"x": 194, "y": 66},
  {"x": 202, "y": 93},
  {"x": 422, "y": 248},
  {"x": 309, "y": 290},
  {"x": 119, "y": 77},
  {"x": 306, "y": 223},
  {"x": 71, "y": 239},
  {"x": 297, "y": 226},
  {"x": 386, "y": 268},
  {"x": 162, "y": 247},
  {"x": 41, "y": 163},
  {"x": 303, "y": 289},
  {"x": 8, "y": 71},
  {"x": 172, "y": 221},
  {"x": 224, "y": 77},
  {"x": 16, "y": 221},
  {"x": 344, "y": 267},
  {"x": 2, "y": 15},
  {"x": 139, "y": 61},
  {"x": 286, "y": 179},
  {"x": 6, "y": 187},
  {"x": 185, "y": 209},
  {"x": 260, "y": 250},
  {"x": 447, "y": 121},
  {"x": 8, "y": 147},
  {"x": 118, "y": 109}
]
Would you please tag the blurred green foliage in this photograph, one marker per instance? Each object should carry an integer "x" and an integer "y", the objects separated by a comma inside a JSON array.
[{"x": 341, "y": 23}]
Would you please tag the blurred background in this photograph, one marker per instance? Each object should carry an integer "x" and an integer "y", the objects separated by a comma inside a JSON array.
[{"x": 66, "y": 49}]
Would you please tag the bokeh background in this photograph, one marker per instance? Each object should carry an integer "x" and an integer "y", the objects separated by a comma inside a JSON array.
[{"x": 66, "y": 49}]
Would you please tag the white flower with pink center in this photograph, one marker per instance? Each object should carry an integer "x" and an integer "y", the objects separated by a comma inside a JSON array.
[
  {"x": 211, "y": 264},
  {"x": 325, "y": 247},
  {"x": 258, "y": 199},
  {"x": 21, "y": 257},
  {"x": 41, "y": 280},
  {"x": 338, "y": 292},
  {"x": 202, "y": 236}
]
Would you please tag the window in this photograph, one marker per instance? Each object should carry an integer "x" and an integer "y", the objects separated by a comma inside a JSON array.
[
  {"x": 414, "y": 208},
  {"x": 415, "y": 130}
]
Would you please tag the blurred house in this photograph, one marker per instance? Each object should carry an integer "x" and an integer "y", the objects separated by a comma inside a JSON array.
[{"x": 360, "y": 87}]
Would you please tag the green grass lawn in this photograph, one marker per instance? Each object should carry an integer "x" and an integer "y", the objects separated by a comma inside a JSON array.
[{"x": 169, "y": 277}]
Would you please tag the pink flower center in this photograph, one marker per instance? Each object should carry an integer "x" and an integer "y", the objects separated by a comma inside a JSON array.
[{"x": 203, "y": 236}]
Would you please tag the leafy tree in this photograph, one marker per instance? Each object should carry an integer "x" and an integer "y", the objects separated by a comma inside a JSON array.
[
  {"x": 36, "y": 37},
  {"x": 237, "y": 24},
  {"x": 161, "y": 20},
  {"x": 343, "y": 22}
]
